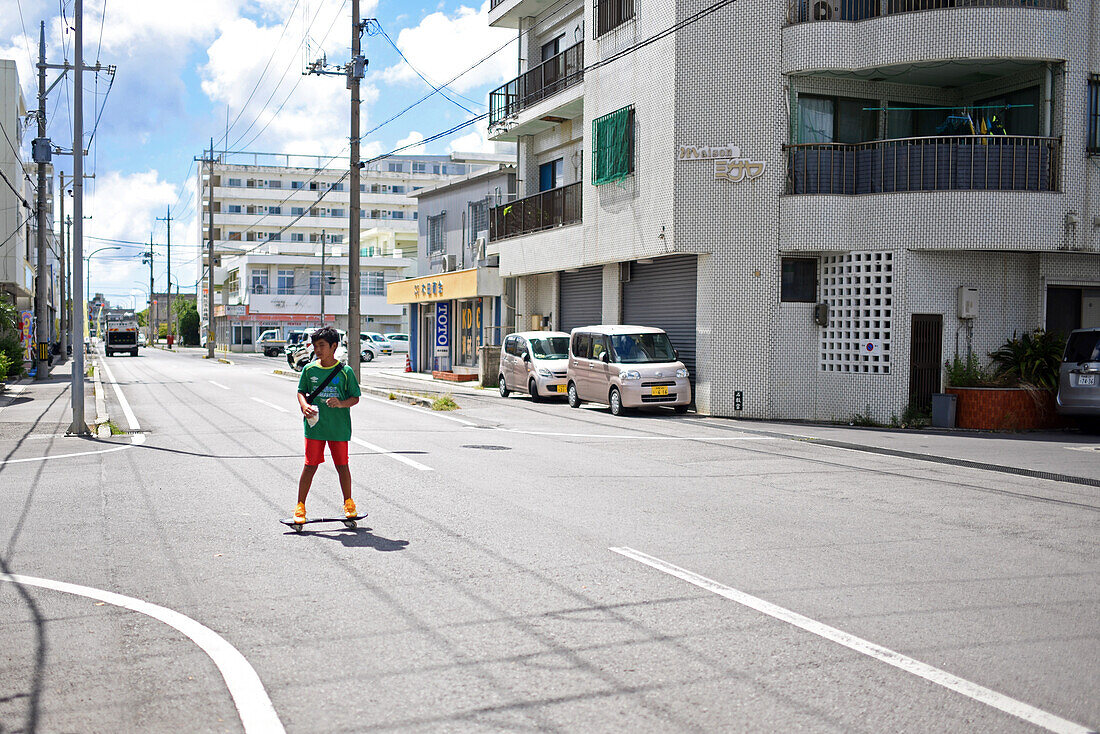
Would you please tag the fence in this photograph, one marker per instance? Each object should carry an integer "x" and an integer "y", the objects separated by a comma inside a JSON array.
[
  {"x": 557, "y": 73},
  {"x": 546, "y": 209}
]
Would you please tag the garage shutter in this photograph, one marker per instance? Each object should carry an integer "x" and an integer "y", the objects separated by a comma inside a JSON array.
[
  {"x": 662, "y": 294},
  {"x": 580, "y": 298}
]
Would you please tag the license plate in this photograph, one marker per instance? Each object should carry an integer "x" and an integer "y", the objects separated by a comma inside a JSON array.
[
  {"x": 559, "y": 388},
  {"x": 1086, "y": 381},
  {"x": 659, "y": 391}
]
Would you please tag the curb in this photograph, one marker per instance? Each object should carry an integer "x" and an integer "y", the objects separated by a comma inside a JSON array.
[
  {"x": 102, "y": 419},
  {"x": 403, "y": 397},
  {"x": 452, "y": 387}
]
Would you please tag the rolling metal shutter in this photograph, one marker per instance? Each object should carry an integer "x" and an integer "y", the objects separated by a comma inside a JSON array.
[
  {"x": 662, "y": 294},
  {"x": 580, "y": 298}
]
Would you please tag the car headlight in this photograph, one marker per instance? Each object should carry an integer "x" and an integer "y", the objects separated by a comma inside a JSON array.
[
  {"x": 543, "y": 372},
  {"x": 682, "y": 372},
  {"x": 630, "y": 375}
]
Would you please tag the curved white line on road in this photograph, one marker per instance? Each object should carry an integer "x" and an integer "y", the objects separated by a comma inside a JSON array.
[
  {"x": 971, "y": 690},
  {"x": 255, "y": 709}
]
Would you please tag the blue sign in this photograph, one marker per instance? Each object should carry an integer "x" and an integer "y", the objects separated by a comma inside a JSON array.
[{"x": 442, "y": 329}]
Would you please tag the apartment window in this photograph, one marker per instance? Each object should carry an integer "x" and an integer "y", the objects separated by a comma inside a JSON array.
[
  {"x": 275, "y": 237},
  {"x": 1092, "y": 143},
  {"x": 395, "y": 167},
  {"x": 233, "y": 182},
  {"x": 552, "y": 48},
  {"x": 297, "y": 237},
  {"x": 799, "y": 280},
  {"x": 398, "y": 189},
  {"x": 274, "y": 184},
  {"x": 478, "y": 217},
  {"x": 235, "y": 236},
  {"x": 362, "y": 188},
  {"x": 908, "y": 120},
  {"x": 337, "y": 213},
  {"x": 362, "y": 213},
  {"x": 297, "y": 211},
  {"x": 610, "y": 14},
  {"x": 836, "y": 119},
  {"x": 420, "y": 168},
  {"x": 285, "y": 282},
  {"x": 435, "y": 235},
  {"x": 336, "y": 239},
  {"x": 457, "y": 169},
  {"x": 416, "y": 215},
  {"x": 316, "y": 279},
  {"x": 437, "y": 169},
  {"x": 397, "y": 214},
  {"x": 274, "y": 210},
  {"x": 312, "y": 185},
  {"x": 375, "y": 213},
  {"x": 296, "y": 184},
  {"x": 613, "y": 149},
  {"x": 259, "y": 281},
  {"x": 233, "y": 209},
  {"x": 338, "y": 187},
  {"x": 372, "y": 283},
  {"x": 552, "y": 174}
]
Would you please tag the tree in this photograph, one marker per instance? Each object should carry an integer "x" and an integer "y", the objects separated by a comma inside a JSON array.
[{"x": 9, "y": 316}]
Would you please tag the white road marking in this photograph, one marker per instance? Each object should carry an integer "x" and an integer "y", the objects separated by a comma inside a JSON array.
[
  {"x": 252, "y": 702},
  {"x": 967, "y": 688},
  {"x": 420, "y": 411},
  {"x": 218, "y": 384},
  {"x": 279, "y": 408},
  {"x": 130, "y": 417},
  {"x": 391, "y": 454},
  {"x": 640, "y": 438}
]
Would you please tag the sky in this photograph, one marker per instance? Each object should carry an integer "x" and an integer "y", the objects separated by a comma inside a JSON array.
[{"x": 187, "y": 68}]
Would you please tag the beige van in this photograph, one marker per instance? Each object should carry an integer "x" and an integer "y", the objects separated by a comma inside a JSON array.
[
  {"x": 625, "y": 367},
  {"x": 534, "y": 362}
]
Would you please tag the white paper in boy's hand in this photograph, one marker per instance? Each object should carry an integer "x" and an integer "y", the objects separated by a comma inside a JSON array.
[{"x": 312, "y": 419}]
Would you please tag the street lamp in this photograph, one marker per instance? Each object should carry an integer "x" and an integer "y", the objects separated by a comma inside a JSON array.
[{"x": 88, "y": 271}]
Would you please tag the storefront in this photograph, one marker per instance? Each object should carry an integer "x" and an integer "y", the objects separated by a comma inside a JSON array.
[
  {"x": 451, "y": 316},
  {"x": 238, "y": 329}
]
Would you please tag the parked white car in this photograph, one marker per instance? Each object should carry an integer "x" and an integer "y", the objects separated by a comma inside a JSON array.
[
  {"x": 400, "y": 342},
  {"x": 380, "y": 342}
]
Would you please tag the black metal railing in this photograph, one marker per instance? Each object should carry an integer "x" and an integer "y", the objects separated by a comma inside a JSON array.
[
  {"x": 557, "y": 73},
  {"x": 942, "y": 163},
  {"x": 544, "y": 210},
  {"x": 806, "y": 11},
  {"x": 494, "y": 3}
]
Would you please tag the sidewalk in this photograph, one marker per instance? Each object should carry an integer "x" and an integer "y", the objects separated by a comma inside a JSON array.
[
  {"x": 426, "y": 381},
  {"x": 30, "y": 408}
]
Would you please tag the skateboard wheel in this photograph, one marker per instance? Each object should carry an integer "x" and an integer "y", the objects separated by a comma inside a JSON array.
[
  {"x": 297, "y": 528},
  {"x": 350, "y": 524}
]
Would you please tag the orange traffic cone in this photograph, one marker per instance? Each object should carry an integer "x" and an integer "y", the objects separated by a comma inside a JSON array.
[{"x": 408, "y": 364}]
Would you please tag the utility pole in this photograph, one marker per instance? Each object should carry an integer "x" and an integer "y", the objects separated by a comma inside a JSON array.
[
  {"x": 168, "y": 219},
  {"x": 210, "y": 265},
  {"x": 69, "y": 296},
  {"x": 147, "y": 257},
  {"x": 63, "y": 337},
  {"x": 324, "y": 278},
  {"x": 78, "y": 427},
  {"x": 353, "y": 71},
  {"x": 41, "y": 155}
]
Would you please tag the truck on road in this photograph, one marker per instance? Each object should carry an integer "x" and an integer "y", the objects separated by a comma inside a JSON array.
[
  {"x": 121, "y": 334},
  {"x": 270, "y": 343}
]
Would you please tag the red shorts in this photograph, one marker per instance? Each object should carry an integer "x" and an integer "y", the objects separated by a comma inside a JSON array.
[{"x": 315, "y": 452}]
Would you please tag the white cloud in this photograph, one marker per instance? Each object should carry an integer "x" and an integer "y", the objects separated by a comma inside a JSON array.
[
  {"x": 442, "y": 45},
  {"x": 477, "y": 142},
  {"x": 412, "y": 137}
]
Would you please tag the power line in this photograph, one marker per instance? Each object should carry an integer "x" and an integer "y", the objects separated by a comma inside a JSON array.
[
  {"x": 385, "y": 35},
  {"x": 102, "y": 18}
]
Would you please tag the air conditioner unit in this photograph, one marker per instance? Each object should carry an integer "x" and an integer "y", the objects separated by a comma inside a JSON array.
[
  {"x": 450, "y": 263},
  {"x": 479, "y": 248},
  {"x": 824, "y": 10}
]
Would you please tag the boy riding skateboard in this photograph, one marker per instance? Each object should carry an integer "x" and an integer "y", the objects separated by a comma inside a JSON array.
[{"x": 327, "y": 390}]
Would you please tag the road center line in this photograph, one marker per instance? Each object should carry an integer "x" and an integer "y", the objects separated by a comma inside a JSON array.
[
  {"x": 391, "y": 454},
  {"x": 252, "y": 702},
  {"x": 218, "y": 384},
  {"x": 967, "y": 688},
  {"x": 279, "y": 408}
]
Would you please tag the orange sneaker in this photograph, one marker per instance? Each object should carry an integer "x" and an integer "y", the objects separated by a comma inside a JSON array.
[
  {"x": 349, "y": 508},
  {"x": 300, "y": 513}
]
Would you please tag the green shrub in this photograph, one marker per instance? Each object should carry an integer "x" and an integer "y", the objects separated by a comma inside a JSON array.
[
  {"x": 968, "y": 373},
  {"x": 444, "y": 402},
  {"x": 12, "y": 349},
  {"x": 1032, "y": 359},
  {"x": 5, "y": 365}
]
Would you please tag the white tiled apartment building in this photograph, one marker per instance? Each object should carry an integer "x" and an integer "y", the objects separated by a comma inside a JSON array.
[
  {"x": 268, "y": 229},
  {"x": 733, "y": 178}
]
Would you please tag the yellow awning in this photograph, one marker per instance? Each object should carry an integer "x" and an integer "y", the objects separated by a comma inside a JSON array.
[{"x": 470, "y": 283}]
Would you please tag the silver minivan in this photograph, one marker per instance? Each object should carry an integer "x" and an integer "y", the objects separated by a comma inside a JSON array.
[
  {"x": 625, "y": 367},
  {"x": 1079, "y": 376},
  {"x": 534, "y": 362}
]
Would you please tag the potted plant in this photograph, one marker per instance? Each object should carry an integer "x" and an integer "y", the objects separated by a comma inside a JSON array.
[{"x": 1015, "y": 391}]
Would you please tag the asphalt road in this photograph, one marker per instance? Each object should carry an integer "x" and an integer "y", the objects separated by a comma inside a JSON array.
[{"x": 531, "y": 567}]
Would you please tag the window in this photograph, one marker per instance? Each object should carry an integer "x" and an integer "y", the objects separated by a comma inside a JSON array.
[
  {"x": 613, "y": 151},
  {"x": 798, "y": 280},
  {"x": 436, "y": 245},
  {"x": 398, "y": 189},
  {"x": 362, "y": 188},
  {"x": 274, "y": 184},
  {"x": 296, "y": 184},
  {"x": 582, "y": 345},
  {"x": 274, "y": 210},
  {"x": 552, "y": 48},
  {"x": 336, "y": 239},
  {"x": 397, "y": 214},
  {"x": 337, "y": 213},
  {"x": 242, "y": 334},
  {"x": 233, "y": 182},
  {"x": 1092, "y": 143},
  {"x": 338, "y": 187},
  {"x": 312, "y": 185},
  {"x": 909, "y": 120},
  {"x": 233, "y": 209},
  {"x": 372, "y": 283},
  {"x": 437, "y": 169},
  {"x": 416, "y": 215},
  {"x": 259, "y": 281},
  {"x": 315, "y": 281},
  {"x": 285, "y": 282},
  {"x": 235, "y": 236},
  {"x": 275, "y": 237},
  {"x": 375, "y": 213},
  {"x": 297, "y": 237},
  {"x": 610, "y": 14},
  {"x": 420, "y": 167},
  {"x": 395, "y": 167},
  {"x": 552, "y": 174},
  {"x": 836, "y": 119},
  {"x": 478, "y": 217},
  {"x": 297, "y": 211}
]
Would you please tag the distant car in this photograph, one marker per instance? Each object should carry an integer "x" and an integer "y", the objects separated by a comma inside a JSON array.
[
  {"x": 270, "y": 344},
  {"x": 400, "y": 342},
  {"x": 380, "y": 342},
  {"x": 534, "y": 362},
  {"x": 1079, "y": 377}
]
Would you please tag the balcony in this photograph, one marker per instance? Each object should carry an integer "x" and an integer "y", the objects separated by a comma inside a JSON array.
[
  {"x": 528, "y": 92},
  {"x": 808, "y": 11},
  {"x": 545, "y": 210},
  {"x": 507, "y": 13},
  {"x": 942, "y": 163}
]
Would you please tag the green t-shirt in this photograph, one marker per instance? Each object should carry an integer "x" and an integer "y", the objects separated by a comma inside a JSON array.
[{"x": 334, "y": 424}]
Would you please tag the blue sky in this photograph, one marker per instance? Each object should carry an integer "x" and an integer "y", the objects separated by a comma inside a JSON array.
[{"x": 182, "y": 64}]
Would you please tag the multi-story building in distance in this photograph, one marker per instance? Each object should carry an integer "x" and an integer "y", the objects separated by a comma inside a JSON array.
[
  {"x": 272, "y": 212},
  {"x": 805, "y": 195}
]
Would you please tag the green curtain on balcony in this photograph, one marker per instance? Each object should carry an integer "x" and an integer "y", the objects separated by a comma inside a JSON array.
[{"x": 613, "y": 149}]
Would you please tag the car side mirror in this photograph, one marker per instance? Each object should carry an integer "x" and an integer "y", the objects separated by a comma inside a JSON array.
[
  {"x": 604, "y": 357},
  {"x": 676, "y": 353},
  {"x": 526, "y": 357}
]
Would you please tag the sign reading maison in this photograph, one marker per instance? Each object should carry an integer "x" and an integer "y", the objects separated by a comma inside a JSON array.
[{"x": 728, "y": 163}]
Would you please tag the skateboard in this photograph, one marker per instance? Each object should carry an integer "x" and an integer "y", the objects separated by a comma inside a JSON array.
[{"x": 349, "y": 522}]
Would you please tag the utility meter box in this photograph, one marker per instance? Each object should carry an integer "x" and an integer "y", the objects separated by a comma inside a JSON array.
[{"x": 968, "y": 302}]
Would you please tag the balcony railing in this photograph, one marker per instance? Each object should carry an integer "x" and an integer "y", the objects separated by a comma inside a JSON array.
[
  {"x": 967, "y": 162},
  {"x": 548, "y": 78},
  {"x": 494, "y": 3},
  {"x": 804, "y": 11},
  {"x": 544, "y": 210}
]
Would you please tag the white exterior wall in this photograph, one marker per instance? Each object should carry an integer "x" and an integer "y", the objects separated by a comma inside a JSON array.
[{"x": 16, "y": 273}]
